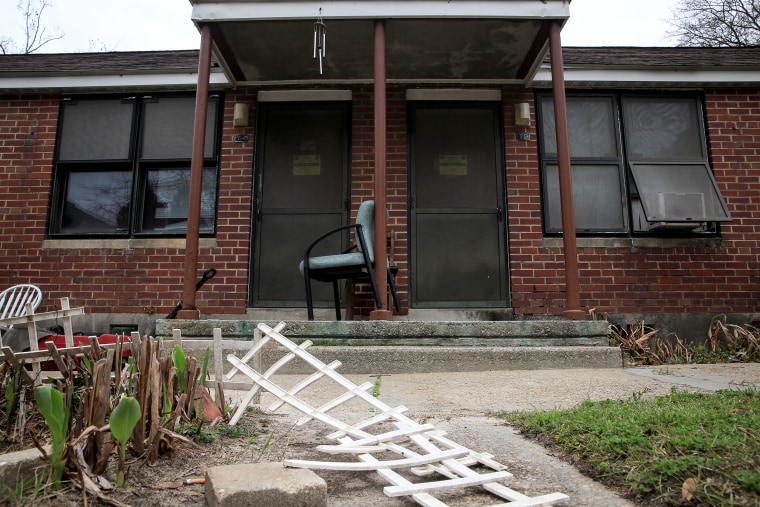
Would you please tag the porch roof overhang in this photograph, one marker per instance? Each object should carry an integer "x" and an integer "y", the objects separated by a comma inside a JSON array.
[{"x": 260, "y": 42}]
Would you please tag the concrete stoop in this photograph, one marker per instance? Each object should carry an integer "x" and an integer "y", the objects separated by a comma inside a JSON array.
[
  {"x": 264, "y": 484},
  {"x": 515, "y": 333},
  {"x": 395, "y": 360},
  {"x": 425, "y": 347}
]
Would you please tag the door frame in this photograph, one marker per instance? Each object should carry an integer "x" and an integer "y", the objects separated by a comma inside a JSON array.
[
  {"x": 500, "y": 157},
  {"x": 263, "y": 109}
]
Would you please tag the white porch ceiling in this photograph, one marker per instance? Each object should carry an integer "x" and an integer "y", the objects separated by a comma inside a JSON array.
[{"x": 259, "y": 42}]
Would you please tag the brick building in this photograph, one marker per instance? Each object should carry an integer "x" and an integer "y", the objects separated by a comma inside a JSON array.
[{"x": 96, "y": 152}]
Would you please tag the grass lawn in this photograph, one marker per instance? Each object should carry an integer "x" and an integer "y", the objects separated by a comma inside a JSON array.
[{"x": 679, "y": 449}]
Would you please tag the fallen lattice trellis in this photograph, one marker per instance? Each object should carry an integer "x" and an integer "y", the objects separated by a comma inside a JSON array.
[{"x": 419, "y": 449}]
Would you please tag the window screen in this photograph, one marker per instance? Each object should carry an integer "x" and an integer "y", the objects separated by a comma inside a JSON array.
[
  {"x": 167, "y": 128},
  {"x": 596, "y": 198},
  {"x": 590, "y": 125},
  {"x": 96, "y": 130},
  {"x": 662, "y": 129}
]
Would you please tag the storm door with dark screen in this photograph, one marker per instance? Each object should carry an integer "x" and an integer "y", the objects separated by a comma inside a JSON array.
[
  {"x": 300, "y": 193},
  {"x": 457, "y": 206}
]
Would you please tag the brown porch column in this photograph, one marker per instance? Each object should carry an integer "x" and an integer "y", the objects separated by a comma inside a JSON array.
[
  {"x": 380, "y": 313},
  {"x": 189, "y": 310},
  {"x": 573, "y": 310}
]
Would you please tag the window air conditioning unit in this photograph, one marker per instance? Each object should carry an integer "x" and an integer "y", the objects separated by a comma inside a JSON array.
[{"x": 679, "y": 204}]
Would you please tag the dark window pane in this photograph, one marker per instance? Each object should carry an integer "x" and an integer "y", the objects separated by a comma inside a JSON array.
[
  {"x": 662, "y": 128},
  {"x": 96, "y": 202},
  {"x": 590, "y": 124},
  {"x": 168, "y": 128},
  {"x": 597, "y": 198},
  {"x": 96, "y": 130},
  {"x": 679, "y": 192},
  {"x": 166, "y": 198}
]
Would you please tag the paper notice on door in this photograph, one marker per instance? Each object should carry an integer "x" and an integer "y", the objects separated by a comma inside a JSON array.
[
  {"x": 452, "y": 165},
  {"x": 306, "y": 165}
]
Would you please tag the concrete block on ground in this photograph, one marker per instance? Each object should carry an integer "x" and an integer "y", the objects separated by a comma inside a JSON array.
[
  {"x": 21, "y": 467},
  {"x": 264, "y": 484}
]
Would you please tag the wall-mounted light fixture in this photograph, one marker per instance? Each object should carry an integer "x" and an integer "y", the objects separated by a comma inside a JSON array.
[
  {"x": 522, "y": 114},
  {"x": 240, "y": 116}
]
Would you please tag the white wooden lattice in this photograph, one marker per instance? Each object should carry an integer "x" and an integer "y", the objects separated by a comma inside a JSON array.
[
  {"x": 419, "y": 449},
  {"x": 31, "y": 319}
]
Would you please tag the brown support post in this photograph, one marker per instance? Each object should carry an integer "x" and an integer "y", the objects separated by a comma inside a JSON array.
[
  {"x": 189, "y": 310},
  {"x": 573, "y": 309},
  {"x": 380, "y": 313}
]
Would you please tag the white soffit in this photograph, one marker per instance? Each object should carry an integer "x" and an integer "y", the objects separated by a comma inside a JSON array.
[
  {"x": 380, "y": 9},
  {"x": 669, "y": 77},
  {"x": 188, "y": 80},
  {"x": 304, "y": 95},
  {"x": 453, "y": 94}
]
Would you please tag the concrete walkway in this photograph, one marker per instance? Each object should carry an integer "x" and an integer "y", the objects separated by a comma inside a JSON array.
[{"x": 460, "y": 403}]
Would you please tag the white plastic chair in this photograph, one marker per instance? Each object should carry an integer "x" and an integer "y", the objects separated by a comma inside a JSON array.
[{"x": 13, "y": 301}]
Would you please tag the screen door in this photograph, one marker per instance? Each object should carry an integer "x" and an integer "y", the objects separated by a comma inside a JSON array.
[
  {"x": 300, "y": 193},
  {"x": 457, "y": 206}
]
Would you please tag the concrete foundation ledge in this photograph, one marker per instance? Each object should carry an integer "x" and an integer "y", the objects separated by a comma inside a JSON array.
[
  {"x": 264, "y": 484},
  {"x": 464, "y": 333}
]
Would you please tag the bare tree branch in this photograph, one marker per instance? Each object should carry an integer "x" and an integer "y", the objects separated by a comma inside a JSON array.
[
  {"x": 716, "y": 23},
  {"x": 36, "y": 36},
  {"x": 5, "y": 45}
]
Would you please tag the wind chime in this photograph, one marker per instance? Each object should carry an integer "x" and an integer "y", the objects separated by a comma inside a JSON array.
[{"x": 320, "y": 37}]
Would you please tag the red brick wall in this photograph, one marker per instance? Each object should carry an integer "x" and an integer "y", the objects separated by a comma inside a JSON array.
[
  {"x": 363, "y": 181},
  {"x": 537, "y": 273},
  {"x": 107, "y": 280},
  {"x": 665, "y": 279},
  {"x": 677, "y": 279},
  {"x": 228, "y": 292}
]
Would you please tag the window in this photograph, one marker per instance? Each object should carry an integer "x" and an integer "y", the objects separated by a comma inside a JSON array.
[
  {"x": 638, "y": 164},
  {"x": 123, "y": 166}
]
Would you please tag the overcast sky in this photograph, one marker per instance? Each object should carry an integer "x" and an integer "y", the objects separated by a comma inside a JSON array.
[{"x": 136, "y": 25}]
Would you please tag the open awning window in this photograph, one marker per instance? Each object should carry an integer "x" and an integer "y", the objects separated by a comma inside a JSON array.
[
  {"x": 667, "y": 156},
  {"x": 679, "y": 192}
]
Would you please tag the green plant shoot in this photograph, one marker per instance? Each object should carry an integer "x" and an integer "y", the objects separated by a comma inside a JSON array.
[
  {"x": 123, "y": 420},
  {"x": 204, "y": 368},
  {"x": 178, "y": 360},
  {"x": 13, "y": 379},
  {"x": 87, "y": 364},
  {"x": 50, "y": 404}
]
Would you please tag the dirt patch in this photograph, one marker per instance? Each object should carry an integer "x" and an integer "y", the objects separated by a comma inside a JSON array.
[{"x": 165, "y": 483}]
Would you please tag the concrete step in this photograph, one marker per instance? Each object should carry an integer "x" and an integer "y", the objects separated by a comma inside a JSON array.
[{"x": 422, "y": 347}]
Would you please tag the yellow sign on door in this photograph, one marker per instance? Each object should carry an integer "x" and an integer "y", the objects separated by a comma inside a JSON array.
[
  {"x": 452, "y": 165},
  {"x": 306, "y": 165}
]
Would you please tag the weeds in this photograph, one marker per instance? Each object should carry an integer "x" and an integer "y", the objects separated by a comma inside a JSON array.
[
  {"x": 376, "y": 386},
  {"x": 643, "y": 345}
]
